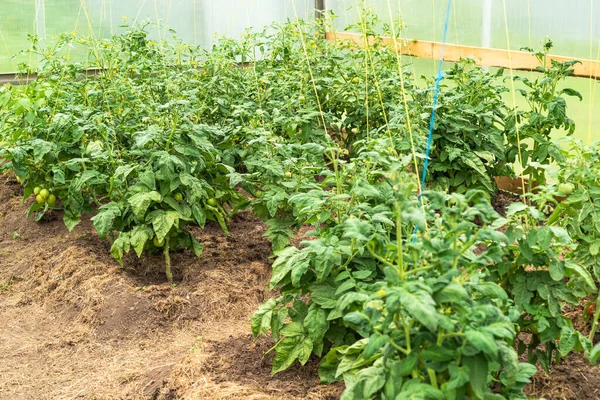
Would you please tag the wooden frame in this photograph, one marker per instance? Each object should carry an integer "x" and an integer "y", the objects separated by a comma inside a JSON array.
[{"x": 516, "y": 60}]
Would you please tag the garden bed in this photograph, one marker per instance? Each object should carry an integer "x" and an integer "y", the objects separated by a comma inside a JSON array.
[{"x": 78, "y": 326}]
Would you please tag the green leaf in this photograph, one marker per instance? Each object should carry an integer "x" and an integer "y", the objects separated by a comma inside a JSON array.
[
  {"x": 197, "y": 247},
  {"x": 139, "y": 236},
  {"x": 510, "y": 362},
  {"x": 595, "y": 248},
  {"x": 490, "y": 289},
  {"x": 515, "y": 208},
  {"x": 526, "y": 371},
  {"x": 288, "y": 350},
  {"x": 451, "y": 293},
  {"x": 571, "y": 92},
  {"x": 501, "y": 330},
  {"x": 328, "y": 367},
  {"x": 199, "y": 215},
  {"x": 345, "y": 286},
  {"x": 323, "y": 294},
  {"x": 478, "y": 373},
  {"x": 359, "y": 322},
  {"x": 316, "y": 324},
  {"x": 421, "y": 306},
  {"x": 120, "y": 247},
  {"x": 71, "y": 219},
  {"x": 521, "y": 294},
  {"x": 557, "y": 270},
  {"x": 482, "y": 341},
  {"x": 595, "y": 354},
  {"x": 582, "y": 272},
  {"x": 414, "y": 389},
  {"x": 261, "y": 319},
  {"x": 282, "y": 267},
  {"x": 148, "y": 179},
  {"x": 141, "y": 201},
  {"x": 300, "y": 265},
  {"x": 40, "y": 149},
  {"x": 293, "y": 329},
  {"x": 459, "y": 376},
  {"x": 162, "y": 222},
  {"x": 376, "y": 342},
  {"x": 305, "y": 351},
  {"x": 568, "y": 340}
]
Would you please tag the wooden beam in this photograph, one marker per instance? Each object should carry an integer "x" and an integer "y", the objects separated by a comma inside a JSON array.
[{"x": 517, "y": 60}]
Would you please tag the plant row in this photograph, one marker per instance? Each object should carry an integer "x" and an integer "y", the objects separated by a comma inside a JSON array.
[{"x": 403, "y": 291}]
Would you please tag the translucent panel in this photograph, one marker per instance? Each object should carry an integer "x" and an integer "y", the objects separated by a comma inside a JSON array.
[
  {"x": 17, "y": 19},
  {"x": 195, "y": 21},
  {"x": 421, "y": 19},
  {"x": 233, "y": 17},
  {"x": 571, "y": 25}
]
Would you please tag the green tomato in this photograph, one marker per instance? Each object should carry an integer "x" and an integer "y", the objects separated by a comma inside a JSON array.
[
  {"x": 288, "y": 174},
  {"x": 40, "y": 199},
  {"x": 212, "y": 202},
  {"x": 258, "y": 194},
  {"x": 356, "y": 80},
  {"x": 178, "y": 197},
  {"x": 158, "y": 243},
  {"x": 44, "y": 193},
  {"x": 37, "y": 190},
  {"x": 566, "y": 188},
  {"x": 51, "y": 200}
]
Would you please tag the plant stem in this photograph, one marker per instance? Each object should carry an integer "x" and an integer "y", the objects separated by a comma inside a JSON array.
[
  {"x": 595, "y": 323},
  {"x": 399, "y": 248},
  {"x": 432, "y": 377},
  {"x": 168, "y": 261}
]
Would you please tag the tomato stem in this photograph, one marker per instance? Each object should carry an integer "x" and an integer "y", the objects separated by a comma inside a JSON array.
[
  {"x": 595, "y": 323},
  {"x": 168, "y": 261}
]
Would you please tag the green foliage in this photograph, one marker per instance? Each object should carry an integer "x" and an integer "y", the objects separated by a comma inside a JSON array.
[
  {"x": 125, "y": 144},
  {"x": 469, "y": 138},
  {"x": 403, "y": 291},
  {"x": 395, "y": 313},
  {"x": 539, "y": 273},
  {"x": 579, "y": 212},
  {"x": 547, "y": 112}
]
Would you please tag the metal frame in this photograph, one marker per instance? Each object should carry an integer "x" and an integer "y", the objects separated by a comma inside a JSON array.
[{"x": 319, "y": 8}]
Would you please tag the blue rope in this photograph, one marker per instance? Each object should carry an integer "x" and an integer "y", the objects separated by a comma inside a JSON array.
[{"x": 436, "y": 95}]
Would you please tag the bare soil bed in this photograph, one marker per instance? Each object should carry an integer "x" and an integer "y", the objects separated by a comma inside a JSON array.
[{"x": 75, "y": 325}]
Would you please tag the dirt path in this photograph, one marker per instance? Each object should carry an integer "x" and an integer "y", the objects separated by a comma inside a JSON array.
[{"x": 74, "y": 325}]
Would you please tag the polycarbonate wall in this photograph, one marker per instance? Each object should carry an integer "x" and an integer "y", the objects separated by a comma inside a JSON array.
[
  {"x": 570, "y": 24},
  {"x": 573, "y": 26},
  {"x": 195, "y": 21}
]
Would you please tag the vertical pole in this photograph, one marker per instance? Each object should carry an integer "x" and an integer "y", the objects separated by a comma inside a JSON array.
[
  {"x": 486, "y": 25},
  {"x": 40, "y": 18},
  {"x": 40, "y": 21},
  {"x": 319, "y": 8}
]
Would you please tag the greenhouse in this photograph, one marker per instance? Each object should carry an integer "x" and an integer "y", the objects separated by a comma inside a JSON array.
[{"x": 299, "y": 199}]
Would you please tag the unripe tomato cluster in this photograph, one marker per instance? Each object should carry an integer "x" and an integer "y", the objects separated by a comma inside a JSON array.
[{"x": 43, "y": 195}]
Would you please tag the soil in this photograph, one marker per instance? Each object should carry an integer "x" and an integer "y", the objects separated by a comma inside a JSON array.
[
  {"x": 76, "y": 325},
  {"x": 502, "y": 199}
]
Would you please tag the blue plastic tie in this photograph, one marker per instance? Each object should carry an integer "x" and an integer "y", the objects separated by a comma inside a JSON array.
[{"x": 436, "y": 95}]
